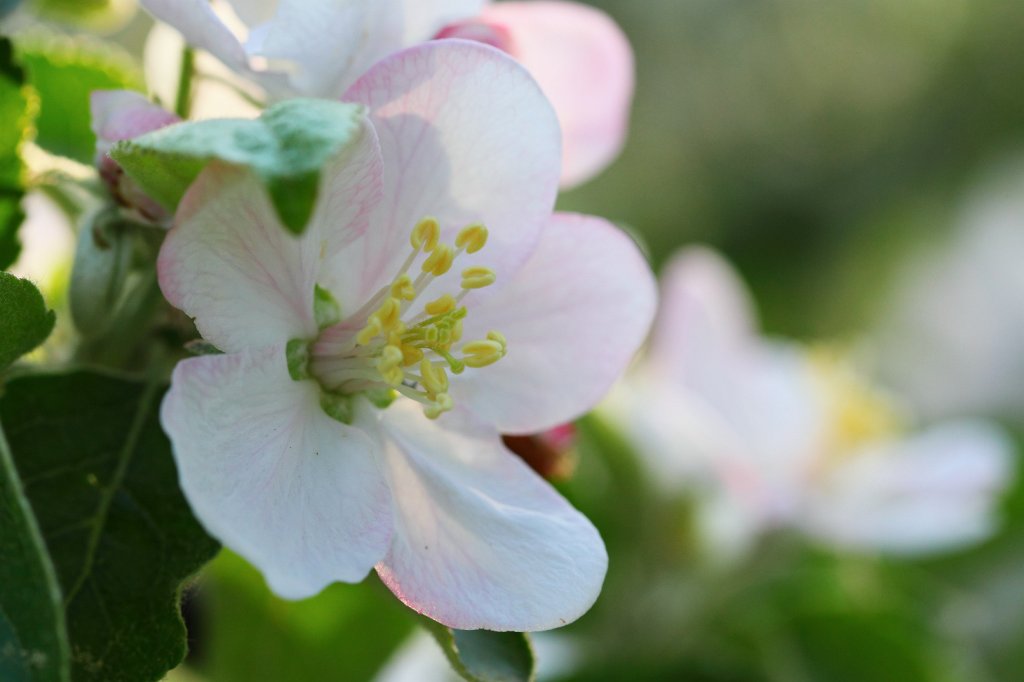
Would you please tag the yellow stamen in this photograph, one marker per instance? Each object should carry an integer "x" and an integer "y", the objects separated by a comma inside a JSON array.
[
  {"x": 472, "y": 238},
  {"x": 442, "y": 403},
  {"x": 439, "y": 261},
  {"x": 435, "y": 379},
  {"x": 403, "y": 289},
  {"x": 425, "y": 234},
  {"x": 478, "y": 277},
  {"x": 440, "y": 306}
]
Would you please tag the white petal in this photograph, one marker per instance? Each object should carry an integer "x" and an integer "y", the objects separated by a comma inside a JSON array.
[
  {"x": 574, "y": 316},
  {"x": 231, "y": 265},
  {"x": 706, "y": 318},
  {"x": 202, "y": 28},
  {"x": 270, "y": 475},
  {"x": 329, "y": 43},
  {"x": 584, "y": 63},
  {"x": 934, "y": 491},
  {"x": 424, "y": 18},
  {"x": 467, "y": 137},
  {"x": 480, "y": 540}
]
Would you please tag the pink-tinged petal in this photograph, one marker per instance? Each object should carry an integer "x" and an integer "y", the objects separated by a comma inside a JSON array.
[
  {"x": 270, "y": 475},
  {"x": 202, "y": 28},
  {"x": 931, "y": 492},
  {"x": 231, "y": 265},
  {"x": 584, "y": 64},
  {"x": 424, "y": 18},
  {"x": 574, "y": 316},
  {"x": 705, "y": 322},
  {"x": 124, "y": 114},
  {"x": 467, "y": 136},
  {"x": 480, "y": 540},
  {"x": 328, "y": 43}
]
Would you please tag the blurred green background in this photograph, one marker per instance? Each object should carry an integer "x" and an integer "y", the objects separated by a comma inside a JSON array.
[{"x": 819, "y": 144}]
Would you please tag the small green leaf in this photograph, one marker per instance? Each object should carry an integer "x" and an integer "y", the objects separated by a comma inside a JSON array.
[
  {"x": 98, "y": 471},
  {"x": 16, "y": 111},
  {"x": 33, "y": 640},
  {"x": 286, "y": 147},
  {"x": 485, "y": 656},
  {"x": 63, "y": 72},
  {"x": 24, "y": 320},
  {"x": 338, "y": 407}
]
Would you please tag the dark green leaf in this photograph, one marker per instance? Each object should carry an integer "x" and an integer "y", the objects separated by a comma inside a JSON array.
[
  {"x": 286, "y": 146},
  {"x": 347, "y": 632},
  {"x": 16, "y": 113},
  {"x": 33, "y": 641},
  {"x": 484, "y": 656},
  {"x": 99, "y": 473},
  {"x": 63, "y": 72},
  {"x": 24, "y": 320}
]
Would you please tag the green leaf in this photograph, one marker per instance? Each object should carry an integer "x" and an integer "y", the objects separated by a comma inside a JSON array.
[
  {"x": 16, "y": 111},
  {"x": 286, "y": 147},
  {"x": 347, "y": 632},
  {"x": 24, "y": 320},
  {"x": 99, "y": 473},
  {"x": 63, "y": 72},
  {"x": 484, "y": 656},
  {"x": 33, "y": 641}
]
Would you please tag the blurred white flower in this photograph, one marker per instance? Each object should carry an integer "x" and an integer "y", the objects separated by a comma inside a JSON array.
[
  {"x": 777, "y": 435},
  {"x": 952, "y": 338}
]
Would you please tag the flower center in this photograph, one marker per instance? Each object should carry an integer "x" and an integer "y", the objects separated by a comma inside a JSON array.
[
  {"x": 392, "y": 346},
  {"x": 859, "y": 413}
]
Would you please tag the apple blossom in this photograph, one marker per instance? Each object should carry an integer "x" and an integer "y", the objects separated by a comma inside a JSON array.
[
  {"x": 959, "y": 308},
  {"x": 778, "y": 435},
  {"x": 122, "y": 115},
  {"x": 432, "y": 304},
  {"x": 579, "y": 56}
]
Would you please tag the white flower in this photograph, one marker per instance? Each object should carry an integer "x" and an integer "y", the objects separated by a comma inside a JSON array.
[
  {"x": 432, "y": 304},
  {"x": 779, "y": 435},
  {"x": 579, "y": 56}
]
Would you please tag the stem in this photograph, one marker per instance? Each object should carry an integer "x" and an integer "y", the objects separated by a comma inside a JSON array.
[{"x": 183, "y": 100}]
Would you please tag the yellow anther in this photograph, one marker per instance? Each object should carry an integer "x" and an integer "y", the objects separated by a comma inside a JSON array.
[
  {"x": 435, "y": 379},
  {"x": 394, "y": 376},
  {"x": 390, "y": 357},
  {"x": 411, "y": 355},
  {"x": 439, "y": 261},
  {"x": 457, "y": 331},
  {"x": 425, "y": 234},
  {"x": 403, "y": 289},
  {"x": 389, "y": 315},
  {"x": 368, "y": 333},
  {"x": 478, "y": 277},
  {"x": 430, "y": 335},
  {"x": 482, "y": 353},
  {"x": 472, "y": 238},
  {"x": 444, "y": 304},
  {"x": 498, "y": 337},
  {"x": 442, "y": 403}
]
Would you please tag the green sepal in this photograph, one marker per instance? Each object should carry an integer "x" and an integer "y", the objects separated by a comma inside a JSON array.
[
  {"x": 297, "y": 354},
  {"x": 286, "y": 147},
  {"x": 200, "y": 347},
  {"x": 381, "y": 397},
  {"x": 326, "y": 308},
  {"x": 338, "y": 407},
  {"x": 485, "y": 656}
]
